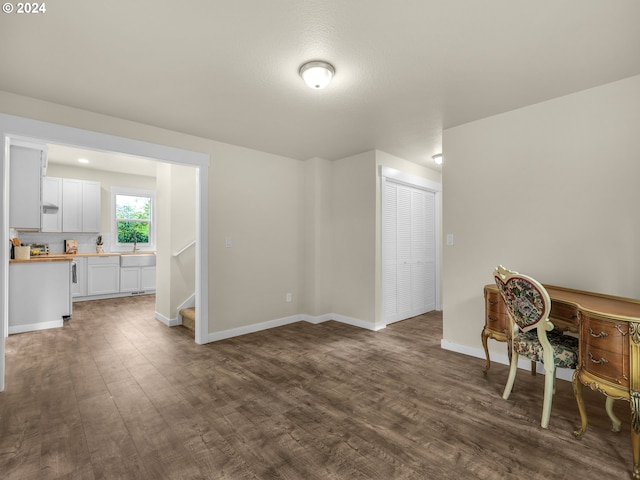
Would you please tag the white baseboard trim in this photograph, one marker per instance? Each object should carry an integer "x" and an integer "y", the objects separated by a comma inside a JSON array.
[
  {"x": 256, "y": 327},
  {"x": 35, "y": 326},
  {"x": 279, "y": 322},
  {"x": 167, "y": 321},
  {"x": 112, "y": 295},
  {"x": 503, "y": 358},
  {"x": 316, "y": 319},
  {"x": 356, "y": 322}
]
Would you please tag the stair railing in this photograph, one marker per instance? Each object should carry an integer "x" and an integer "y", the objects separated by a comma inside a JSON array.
[{"x": 184, "y": 249}]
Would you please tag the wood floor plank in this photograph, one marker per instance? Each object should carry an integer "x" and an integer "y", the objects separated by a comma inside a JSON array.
[{"x": 116, "y": 394}]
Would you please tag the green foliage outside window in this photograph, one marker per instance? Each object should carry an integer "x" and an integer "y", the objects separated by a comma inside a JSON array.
[{"x": 133, "y": 214}]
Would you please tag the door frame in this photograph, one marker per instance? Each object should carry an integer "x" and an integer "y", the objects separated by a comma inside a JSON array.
[
  {"x": 17, "y": 128},
  {"x": 421, "y": 183}
]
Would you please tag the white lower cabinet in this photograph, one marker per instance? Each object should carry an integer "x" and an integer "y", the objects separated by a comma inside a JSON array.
[
  {"x": 148, "y": 278},
  {"x": 79, "y": 277},
  {"x": 103, "y": 275},
  {"x": 137, "y": 279},
  {"x": 38, "y": 295}
]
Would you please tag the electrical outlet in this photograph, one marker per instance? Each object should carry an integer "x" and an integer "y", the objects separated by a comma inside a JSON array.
[{"x": 289, "y": 297}]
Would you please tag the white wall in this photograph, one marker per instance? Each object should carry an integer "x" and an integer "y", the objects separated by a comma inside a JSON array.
[
  {"x": 319, "y": 245},
  {"x": 176, "y": 226},
  {"x": 255, "y": 202},
  {"x": 353, "y": 195},
  {"x": 356, "y": 233},
  {"x": 550, "y": 190},
  {"x": 317, "y": 233},
  {"x": 253, "y": 197}
]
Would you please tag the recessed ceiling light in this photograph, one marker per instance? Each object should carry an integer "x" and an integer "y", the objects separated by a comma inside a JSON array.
[{"x": 83, "y": 160}]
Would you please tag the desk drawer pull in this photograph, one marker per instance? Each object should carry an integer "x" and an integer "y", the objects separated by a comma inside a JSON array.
[
  {"x": 602, "y": 360},
  {"x": 599, "y": 335}
]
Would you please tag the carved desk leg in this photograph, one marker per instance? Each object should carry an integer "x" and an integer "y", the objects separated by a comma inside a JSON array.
[
  {"x": 485, "y": 336},
  {"x": 577, "y": 390}
]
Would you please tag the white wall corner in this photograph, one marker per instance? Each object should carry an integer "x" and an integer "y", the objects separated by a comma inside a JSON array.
[
  {"x": 279, "y": 322},
  {"x": 168, "y": 321},
  {"x": 316, "y": 319},
  {"x": 356, "y": 322},
  {"x": 256, "y": 327}
]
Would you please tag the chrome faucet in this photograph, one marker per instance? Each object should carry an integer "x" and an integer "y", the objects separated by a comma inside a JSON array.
[{"x": 135, "y": 241}]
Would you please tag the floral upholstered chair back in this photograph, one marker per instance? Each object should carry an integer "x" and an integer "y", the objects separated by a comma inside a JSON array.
[{"x": 527, "y": 301}]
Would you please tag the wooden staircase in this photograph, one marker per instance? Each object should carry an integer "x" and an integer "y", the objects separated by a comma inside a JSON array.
[{"x": 189, "y": 318}]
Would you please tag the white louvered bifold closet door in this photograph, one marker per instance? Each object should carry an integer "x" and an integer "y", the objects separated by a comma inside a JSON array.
[{"x": 408, "y": 252}]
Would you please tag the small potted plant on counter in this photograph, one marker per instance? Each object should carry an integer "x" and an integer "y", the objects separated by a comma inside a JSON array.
[{"x": 99, "y": 247}]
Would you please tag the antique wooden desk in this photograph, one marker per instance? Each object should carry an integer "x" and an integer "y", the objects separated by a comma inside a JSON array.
[{"x": 608, "y": 328}]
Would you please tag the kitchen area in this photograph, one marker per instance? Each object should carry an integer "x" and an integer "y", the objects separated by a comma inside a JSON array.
[{"x": 62, "y": 246}]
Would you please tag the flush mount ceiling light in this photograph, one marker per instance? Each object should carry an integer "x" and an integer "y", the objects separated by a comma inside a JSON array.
[
  {"x": 83, "y": 160},
  {"x": 437, "y": 158},
  {"x": 317, "y": 74}
]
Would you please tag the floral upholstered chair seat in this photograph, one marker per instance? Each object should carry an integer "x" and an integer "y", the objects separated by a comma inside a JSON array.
[{"x": 565, "y": 348}]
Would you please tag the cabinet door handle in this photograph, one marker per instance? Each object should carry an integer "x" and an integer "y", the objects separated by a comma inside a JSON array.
[
  {"x": 598, "y": 335},
  {"x": 602, "y": 360}
]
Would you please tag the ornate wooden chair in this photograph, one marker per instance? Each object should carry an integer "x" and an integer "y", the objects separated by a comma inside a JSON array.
[{"x": 528, "y": 305}]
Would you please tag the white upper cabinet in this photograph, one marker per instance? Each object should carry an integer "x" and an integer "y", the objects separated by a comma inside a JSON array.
[
  {"x": 71, "y": 205},
  {"x": 90, "y": 206},
  {"x": 26, "y": 164},
  {"x": 51, "y": 204},
  {"x": 80, "y": 206}
]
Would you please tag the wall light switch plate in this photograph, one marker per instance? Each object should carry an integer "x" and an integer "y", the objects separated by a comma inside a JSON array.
[
  {"x": 449, "y": 238},
  {"x": 227, "y": 242}
]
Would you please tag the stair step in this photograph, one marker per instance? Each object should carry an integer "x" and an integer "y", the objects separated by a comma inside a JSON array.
[{"x": 189, "y": 318}]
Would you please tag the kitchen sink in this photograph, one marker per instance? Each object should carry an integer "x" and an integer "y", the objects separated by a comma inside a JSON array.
[{"x": 138, "y": 260}]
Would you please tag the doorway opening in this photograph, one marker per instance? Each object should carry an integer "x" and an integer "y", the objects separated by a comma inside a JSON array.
[
  {"x": 12, "y": 128},
  {"x": 410, "y": 225}
]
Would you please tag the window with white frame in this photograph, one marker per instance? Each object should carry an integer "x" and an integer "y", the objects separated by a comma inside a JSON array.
[{"x": 133, "y": 218}]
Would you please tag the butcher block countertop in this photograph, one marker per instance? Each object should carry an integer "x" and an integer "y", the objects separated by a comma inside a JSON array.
[
  {"x": 63, "y": 257},
  {"x": 43, "y": 258}
]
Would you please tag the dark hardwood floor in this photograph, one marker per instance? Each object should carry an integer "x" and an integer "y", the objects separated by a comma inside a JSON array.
[{"x": 116, "y": 394}]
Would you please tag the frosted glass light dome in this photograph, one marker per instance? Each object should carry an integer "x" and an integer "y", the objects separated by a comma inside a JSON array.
[{"x": 317, "y": 75}]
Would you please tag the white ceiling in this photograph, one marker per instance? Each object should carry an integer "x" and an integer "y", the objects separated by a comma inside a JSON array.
[
  {"x": 108, "y": 161},
  {"x": 405, "y": 69}
]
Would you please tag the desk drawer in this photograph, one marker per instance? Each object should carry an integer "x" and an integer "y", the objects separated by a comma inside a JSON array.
[
  {"x": 605, "y": 335},
  {"x": 610, "y": 366},
  {"x": 564, "y": 316},
  {"x": 496, "y": 315},
  {"x": 604, "y": 349}
]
